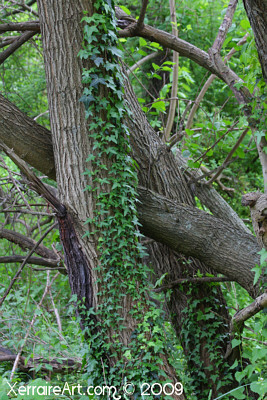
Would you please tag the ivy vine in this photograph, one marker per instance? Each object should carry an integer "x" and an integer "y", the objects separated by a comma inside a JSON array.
[{"x": 114, "y": 186}]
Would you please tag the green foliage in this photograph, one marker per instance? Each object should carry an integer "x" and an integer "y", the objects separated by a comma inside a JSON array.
[
  {"x": 197, "y": 315},
  {"x": 115, "y": 219}
]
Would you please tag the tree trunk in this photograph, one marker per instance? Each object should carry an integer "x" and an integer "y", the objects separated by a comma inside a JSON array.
[
  {"x": 62, "y": 37},
  {"x": 257, "y": 15}
]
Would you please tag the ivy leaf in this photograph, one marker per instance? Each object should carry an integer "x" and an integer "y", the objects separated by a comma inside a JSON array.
[
  {"x": 115, "y": 51},
  {"x": 98, "y": 61},
  {"x": 86, "y": 100},
  {"x": 95, "y": 82}
]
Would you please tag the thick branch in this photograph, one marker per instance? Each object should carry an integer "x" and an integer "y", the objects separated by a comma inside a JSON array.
[
  {"x": 33, "y": 26},
  {"x": 169, "y": 41},
  {"x": 27, "y": 243},
  {"x": 29, "y": 140},
  {"x": 243, "y": 315},
  {"x": 140, "y": 22},
  {"x": 188, "y": 230}
]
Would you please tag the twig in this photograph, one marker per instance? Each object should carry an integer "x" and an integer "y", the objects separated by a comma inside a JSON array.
[
  {"x": 179, "y": 134},
  {"x": 228, "y": 158},
  {"x": 208, "y": 83},
  {"x": 48, "y": 286},
  {"x": 27, "y": 7},
  {"x": 217, "y": 141},
  {"x": 142, "y": 61},
  {"x": 55, "y": 311},
  {"x": 25, "y": 262}
]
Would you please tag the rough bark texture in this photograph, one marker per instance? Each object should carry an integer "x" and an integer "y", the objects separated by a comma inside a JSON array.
[
  {"x": 158, "y": 167},
  {"x": 195, "y": 233},
  {"x": 29, "y": 140},
  {"x": 40, "y": 155},
  {"x": 257, "y": 15},
  {"x": 258, "y": 209},
  {"x": 62, "y": 40}
]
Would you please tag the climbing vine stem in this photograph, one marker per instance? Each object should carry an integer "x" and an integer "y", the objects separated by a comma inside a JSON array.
[{"x": 121, "y": 347}]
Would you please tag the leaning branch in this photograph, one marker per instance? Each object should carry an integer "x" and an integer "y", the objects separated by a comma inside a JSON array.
[
  {"x": 238, "y": 322},
  {"x": 225, "y": 25},
  {"x": 15, "y": 45},
  {"x": 193, "y": 232}
]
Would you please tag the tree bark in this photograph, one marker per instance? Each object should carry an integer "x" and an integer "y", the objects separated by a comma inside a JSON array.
[
  {"x": 33, "y": 143},
  {"x": 257, "y": 14},
  {"x": 62, "y": 39},
  {"x": 158, "y": 167}
]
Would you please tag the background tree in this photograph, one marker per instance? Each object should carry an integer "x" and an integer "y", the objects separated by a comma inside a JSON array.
[{"x": 167, "y": 190}]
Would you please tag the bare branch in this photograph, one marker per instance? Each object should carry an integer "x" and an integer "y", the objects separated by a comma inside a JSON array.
[
  {"x": 24, "y": 263},
  {"x": 238, "y": 321},
  {"x": 45, "y": 262},
  {"x": 228, "y": 158},
  {"x": 142, "y": 61},
  {"x": 26, "y": 243},
  {"x": 208, "y": 83},
  {"x": 32, "y": 26},
  {"x": 223, "y": 30},
  {"x": 47, "y": 288},
  {"x": 140, "y": 21},
  {"x": 15, "y": 45},
  {"x": 26, "y": 7}
]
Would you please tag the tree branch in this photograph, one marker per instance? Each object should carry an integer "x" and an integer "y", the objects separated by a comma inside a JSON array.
[
  {"x": 15, "y": 45},
  {"x": 175, "y": 59},
  {"x": 193, "y": 232},
  {"x": 45, "y": 262},
  {"x": 27, "y": 243},
  {"x": 24, "y": 263},
  {"x": 32, "y": 26},
  {"x": 226, "y": 23},
  {"x": 140, "y": 21}
]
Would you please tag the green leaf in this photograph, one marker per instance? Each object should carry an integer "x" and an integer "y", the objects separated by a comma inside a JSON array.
[
  {"x": 159, "y": 105},
  {"x": 142, "y": 42},
  {"x": 236, "y": 342},
  {"x": 259, "y": 387}
]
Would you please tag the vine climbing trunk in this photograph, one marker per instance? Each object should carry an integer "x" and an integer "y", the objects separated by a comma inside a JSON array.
[{"x": 123, "y": 343}]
